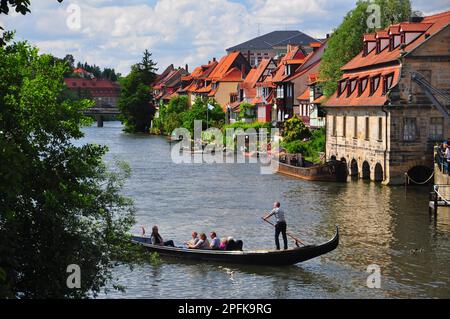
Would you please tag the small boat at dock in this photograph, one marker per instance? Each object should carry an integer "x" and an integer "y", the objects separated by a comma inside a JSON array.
[{"x": 252, "y": 257}]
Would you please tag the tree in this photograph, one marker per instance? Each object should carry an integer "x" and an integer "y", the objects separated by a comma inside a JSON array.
[
  {"x": 136, "y": 101},
  {"x": 346, "y": 41},
  {"x": 295, "y": 130},
  {"x": 200, "y": 112},
  {"x": 59, "y": 205},
  {"x": 247, "y": 111}
]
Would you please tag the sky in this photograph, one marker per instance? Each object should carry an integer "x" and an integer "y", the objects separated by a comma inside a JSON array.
[{"x": 115, "y": 33}]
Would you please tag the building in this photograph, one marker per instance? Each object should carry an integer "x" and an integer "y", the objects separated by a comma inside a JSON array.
[
  {"x": 167, "y": 84},
  {"x": 310, "y": 104},
  {"x": 224, "y": 79},
  {"x": 257, "y": 89},
  {"x": 105, "y": 93},
  {"x": 388, "y": 111},
  {"x": 292, "y": 79},
  {"x": 196, "y": 81},
  {"x": 271, "y": 46}
]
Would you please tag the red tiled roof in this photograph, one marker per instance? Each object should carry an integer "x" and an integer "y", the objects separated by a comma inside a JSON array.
[
  {"x": 431, "y": 25},
  {"x": 377, "y": 99},
  {"x": 305, "y": 96},
  {"x": 205, "y": 89},
  {"x": 320, "y": 100},
  {"x": 315, "y": 44},
  {"x": 233, "y": 75},
  {"x": 223, "y": 67}
]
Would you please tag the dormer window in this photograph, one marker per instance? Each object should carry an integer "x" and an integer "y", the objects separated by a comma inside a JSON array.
[
  {"x": 362, "y": 85},
  {"x": 342, "y": 85},
  {"x": 410, "y": 37},
  {"x": 369, "y": 43},
  {"x": 374, "y": 84},
  {"x": 351, "y": 86},
  {"x": 382, "y": 44},
  {"x": 394, "y": 41},
  {"x": 388, "y": 80}
]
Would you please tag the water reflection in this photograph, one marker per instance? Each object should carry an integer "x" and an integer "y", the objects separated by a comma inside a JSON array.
[{"x": 380, "y": 225}]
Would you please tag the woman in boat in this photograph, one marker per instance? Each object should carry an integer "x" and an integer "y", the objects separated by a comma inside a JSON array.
[
  {"x": 203, "y": 243},
  {"x": 157, "y": 240},
  {"x": 223, "y": 244}
]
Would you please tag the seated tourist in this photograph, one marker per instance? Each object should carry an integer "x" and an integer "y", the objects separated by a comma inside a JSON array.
[
  {"x": 231, "y": 245},
  {"x": 194, "y": 239},
  {"x": 215, "y": 241},
  {"x": 223, "y": 244},
  {"x": 203, "y": 243},
  {"x": 157, "y": 240}
]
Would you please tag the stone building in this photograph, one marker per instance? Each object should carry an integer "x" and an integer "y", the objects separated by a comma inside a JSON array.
[{"x": 380, "y": 121}]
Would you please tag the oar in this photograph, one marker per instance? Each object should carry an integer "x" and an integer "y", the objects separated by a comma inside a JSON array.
[{"x": 287, "y": 233}]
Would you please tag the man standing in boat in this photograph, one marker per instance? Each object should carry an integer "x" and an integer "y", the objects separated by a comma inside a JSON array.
[{"x": 281, "y": 226}]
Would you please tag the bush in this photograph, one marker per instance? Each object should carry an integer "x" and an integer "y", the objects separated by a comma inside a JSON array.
[{"x": 295, "y": 130}]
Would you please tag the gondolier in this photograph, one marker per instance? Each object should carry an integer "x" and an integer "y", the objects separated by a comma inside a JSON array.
[{"x": 281, "y": 225}]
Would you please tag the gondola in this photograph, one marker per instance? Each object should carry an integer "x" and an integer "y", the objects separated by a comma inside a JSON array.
[{"x": 256, "y": 257}]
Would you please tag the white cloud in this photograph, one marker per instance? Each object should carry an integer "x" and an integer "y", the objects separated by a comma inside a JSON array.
[{"x": 115, "y": 33}]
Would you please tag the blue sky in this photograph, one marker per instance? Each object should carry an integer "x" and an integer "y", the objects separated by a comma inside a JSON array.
[{"x": 114, "y": 33}]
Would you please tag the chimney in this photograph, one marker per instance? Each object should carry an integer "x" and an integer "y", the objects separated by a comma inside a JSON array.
[
  {"x": 249, "y": 57},
  {"x": 328, "y": 35},
  {"x": 214, "y": 60},
  {"x": 187, "y": 68}
]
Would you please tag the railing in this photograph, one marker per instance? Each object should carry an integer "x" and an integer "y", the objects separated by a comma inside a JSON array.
[{"x": 441, "y": 161}]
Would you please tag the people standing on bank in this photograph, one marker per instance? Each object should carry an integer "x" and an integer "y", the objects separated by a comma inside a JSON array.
[{"x": 281, "y": 226}]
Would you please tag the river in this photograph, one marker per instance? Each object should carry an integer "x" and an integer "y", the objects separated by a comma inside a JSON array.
[{"x": 386, "y": 226}]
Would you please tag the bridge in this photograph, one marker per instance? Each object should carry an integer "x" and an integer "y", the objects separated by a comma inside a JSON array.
[{"x": 100, "y": 112}]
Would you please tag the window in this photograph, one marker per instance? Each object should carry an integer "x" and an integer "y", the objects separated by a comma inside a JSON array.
[
  {"x": 362, "y": 85},
  {"x": 410, "y": 129},
  {"x": 387, "y": 82},
  {"x": 374, "y": 84},
  {"x": 351, "y": 86},
  {"x": 290, "y": 90},
  {"x": 344, "y": 127},
  {"x": 342, "y": 86},
  {"x": 280, "y": 92},
  {"x": 334, "y": 126},
  {"x": 355, "y": 127},
  {"x": 436, "y": 129},
  {"x": 380, "y": 129},
  {"x": 367, "y": 128}
]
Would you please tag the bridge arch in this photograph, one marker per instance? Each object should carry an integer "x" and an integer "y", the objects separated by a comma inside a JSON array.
[
  {"x": 365, "y": 171},
  {"x": 379, "y": 175},
  {"x": 354, "y": 170}
]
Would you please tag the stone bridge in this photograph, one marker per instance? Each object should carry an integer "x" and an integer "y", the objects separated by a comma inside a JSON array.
[{"x": 100, "y": 112}]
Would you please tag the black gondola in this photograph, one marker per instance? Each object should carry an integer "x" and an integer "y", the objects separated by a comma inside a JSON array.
[{"x": 256, "y": 257}]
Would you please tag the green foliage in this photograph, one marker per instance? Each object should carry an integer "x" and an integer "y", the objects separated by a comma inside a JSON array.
[
  {"x": 310, "y": 149},
  {"x": 247, "y": 111},
  {"x": 135, "y": 102},
  {"x": 346, "y": 41},
  {"x": 245, "y": 126},
  {"x": 199, "y": 112},
  {"x": 97, "y": 72},
  {"x": 295, "y": 129},
  {"x": 59, "y": 204}
]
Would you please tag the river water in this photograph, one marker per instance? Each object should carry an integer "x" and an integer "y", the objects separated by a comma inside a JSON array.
[{"x": 386, "y": 226}]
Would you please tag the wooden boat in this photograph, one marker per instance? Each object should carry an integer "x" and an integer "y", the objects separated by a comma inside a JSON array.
[
  {"x": 256, "y": 257},
  {"x": 330, "y": 172}
]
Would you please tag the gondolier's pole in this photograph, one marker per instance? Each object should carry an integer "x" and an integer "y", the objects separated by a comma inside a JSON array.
[{"x": 290, "y": 235}]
